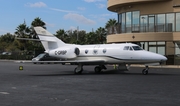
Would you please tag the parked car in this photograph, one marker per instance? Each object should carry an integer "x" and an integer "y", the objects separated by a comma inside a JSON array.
[
  {"x": 6, "y": 53},
  {"x": 44, "y": 57}
]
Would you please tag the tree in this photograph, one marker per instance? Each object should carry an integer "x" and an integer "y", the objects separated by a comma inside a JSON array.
[
  {"x": 101, "y": 34},
  {"x": 23, "y": 31},
  {"x": 6, "y": 42},
  {"x": 61, "y": 34},
  {"x": 91, "y": 38},
  {"x": 111, "y": 26},
  {"x": 37, "y": 22}
]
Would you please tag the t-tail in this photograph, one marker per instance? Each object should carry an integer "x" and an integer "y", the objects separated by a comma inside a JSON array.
[{"x": 48, "y": 40}]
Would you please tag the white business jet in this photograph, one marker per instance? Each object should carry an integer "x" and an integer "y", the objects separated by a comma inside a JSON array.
[{"x": 98, "y": 54}]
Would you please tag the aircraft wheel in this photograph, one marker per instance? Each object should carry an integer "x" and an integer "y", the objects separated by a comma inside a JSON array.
[
  {"x": 144, "y": 71},
  {"x": 77, "y": 71},
  {"x": 97, "y": 69}
]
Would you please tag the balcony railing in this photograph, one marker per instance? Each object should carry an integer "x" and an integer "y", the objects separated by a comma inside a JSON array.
[{"x": 118, "y": 29}]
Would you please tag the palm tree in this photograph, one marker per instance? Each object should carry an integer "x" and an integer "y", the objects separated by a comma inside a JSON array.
[
  {"x": 61, "y": 34},
  {"x": 37, "y": 22},
  {"x": 91, "y": 38},
  {"x": 22, "y": 31},
  {"x": 111, "y": 25},
  {"x": 101, "y": 33}
]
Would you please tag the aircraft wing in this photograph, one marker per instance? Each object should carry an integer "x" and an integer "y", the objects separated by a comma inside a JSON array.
[{"x": 90, "y": 62}]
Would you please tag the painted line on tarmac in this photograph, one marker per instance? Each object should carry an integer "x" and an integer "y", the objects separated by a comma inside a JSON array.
[{"x": 4, "y": 93}]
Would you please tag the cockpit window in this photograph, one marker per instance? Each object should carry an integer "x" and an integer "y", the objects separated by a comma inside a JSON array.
[
  {"x": 126, "y": 48},
  {"x": 130, "y": 48},
  {"x": 136, "y": 48}
]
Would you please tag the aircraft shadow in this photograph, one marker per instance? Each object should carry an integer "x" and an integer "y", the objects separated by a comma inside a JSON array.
[{"x": 109, "y": 72}]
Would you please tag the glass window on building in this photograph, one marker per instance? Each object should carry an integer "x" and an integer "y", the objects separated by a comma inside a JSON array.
[
  {"x": 160, "y": 26},
  {"x": 119, "y": 22},
  {"x": 170, "y": 22},
  {"x": 135, "y": 21},
  {"x": 177, "y": 49},
  {"x": 177, "y": 54},
  {"x": 157, "y": 47},
  {"x": 161, "y": 50},
  {"x": 128, "y": 22},
  {"x": 144, "y": 24},
  {"x": 123, "y": 23},
  {"x": 151, "y": 23},
  {"x": 177, "y": 21},
  {"x": 152, "y": 49}
]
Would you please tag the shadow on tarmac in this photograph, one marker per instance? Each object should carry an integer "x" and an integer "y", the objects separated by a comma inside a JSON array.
[{"x": 109, "y": 72}]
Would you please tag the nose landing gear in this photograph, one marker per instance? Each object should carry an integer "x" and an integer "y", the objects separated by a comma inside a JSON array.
[{"x": 145, "y": 71}]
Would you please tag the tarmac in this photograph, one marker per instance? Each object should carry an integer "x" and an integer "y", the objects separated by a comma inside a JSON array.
[{"x": 56, "y": 85}]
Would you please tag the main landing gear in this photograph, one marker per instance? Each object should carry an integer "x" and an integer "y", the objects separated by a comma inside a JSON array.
[
  {"x": 145, "y": 71},
  {"x": 97, "y": 69}
]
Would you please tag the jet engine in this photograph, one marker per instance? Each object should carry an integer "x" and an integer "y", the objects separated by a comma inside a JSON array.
[{"x": 65, "y": 52}]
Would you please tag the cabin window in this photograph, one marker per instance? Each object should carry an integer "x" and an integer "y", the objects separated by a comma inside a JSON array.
[
  {"x": 86, "y": 51},
  {"x": 104, "y": 50},
  {"x": 95, "y": 51}
]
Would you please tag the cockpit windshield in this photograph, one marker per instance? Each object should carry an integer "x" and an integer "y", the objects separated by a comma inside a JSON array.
[
  {"x": 136, "y": 48},
  {"x": 126, "y": 48},
  {"x": 131, "y": 48}
]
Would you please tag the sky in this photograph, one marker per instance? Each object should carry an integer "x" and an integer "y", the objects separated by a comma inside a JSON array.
[{"x": 57, "y": 14}]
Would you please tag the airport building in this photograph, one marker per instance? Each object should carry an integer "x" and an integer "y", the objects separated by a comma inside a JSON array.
[{"x": 152, "y": 24}]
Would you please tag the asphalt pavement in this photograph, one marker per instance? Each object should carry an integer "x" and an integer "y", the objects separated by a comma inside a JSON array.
[{"x": 56, "y": 85}]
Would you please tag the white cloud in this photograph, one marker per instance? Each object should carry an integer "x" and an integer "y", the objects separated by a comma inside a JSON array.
[
  {"x": 37, "y": 4},
  {"x": 59, "y": 10},
  {"x": 79, "y": 19},
  {"x": 101, "y": 5},
  {"x": 90, "y": 1}
]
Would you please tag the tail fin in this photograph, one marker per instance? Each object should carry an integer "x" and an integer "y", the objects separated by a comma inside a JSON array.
[{"x": 48, "y": 40}]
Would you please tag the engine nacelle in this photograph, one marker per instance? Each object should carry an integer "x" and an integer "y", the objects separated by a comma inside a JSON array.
[{"x": 65, "y": 52}]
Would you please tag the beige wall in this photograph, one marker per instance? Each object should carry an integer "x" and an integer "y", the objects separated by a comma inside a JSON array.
[
  {"x": 170, "y": 48},
  {"x": 138, "y": 37},
  {"x": 144, "y": 6}
]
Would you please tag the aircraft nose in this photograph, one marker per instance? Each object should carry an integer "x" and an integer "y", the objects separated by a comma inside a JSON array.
[
  {"x": 163, "y": 58},
  {"x": 157, "y": 57},
  {"x": 160, "y": 58}
]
